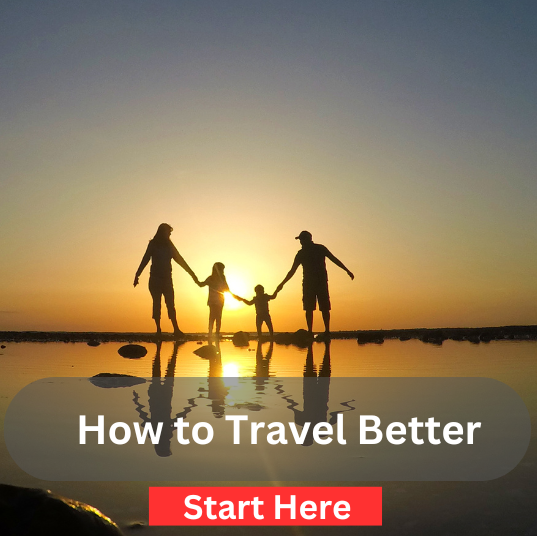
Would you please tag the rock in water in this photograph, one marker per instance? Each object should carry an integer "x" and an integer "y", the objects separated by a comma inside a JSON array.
[
  {"x": 434, "y": 336},
  {"x": 94, "y": 343},
  {"x": 206, "y": 351},
  {"x": 111, "y": 381},
  {"x": 241, "y": 338},
  {"x": 302, "y": 338},
  {"x": 323, "y": 337},
  {"x": 38, "y": 512},
  {"x": 132, "y": 351},
  {"x": 370, "y": 337},
  {"x": 283, "y": 338}
]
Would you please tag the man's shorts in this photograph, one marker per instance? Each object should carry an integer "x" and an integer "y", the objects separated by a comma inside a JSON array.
[{"x": 313, "y": 292}]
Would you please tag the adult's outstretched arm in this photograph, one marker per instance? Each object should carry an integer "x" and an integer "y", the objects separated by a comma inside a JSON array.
[
  {"x": 290, "y": 274},
  {"x": 183, "y": 264},
  {"x": 145, "y": 259},
  {"x": 337, "y": 262}
]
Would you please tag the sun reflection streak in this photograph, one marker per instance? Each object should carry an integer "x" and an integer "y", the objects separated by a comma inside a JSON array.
[{"x": 231, "y": 370}]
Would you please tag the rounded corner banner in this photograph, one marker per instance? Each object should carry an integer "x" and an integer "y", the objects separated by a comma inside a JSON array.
[{"x": 116, "y": 427}]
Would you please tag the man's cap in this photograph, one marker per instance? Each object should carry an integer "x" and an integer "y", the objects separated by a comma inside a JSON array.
[{"x": 304, "y": 234}]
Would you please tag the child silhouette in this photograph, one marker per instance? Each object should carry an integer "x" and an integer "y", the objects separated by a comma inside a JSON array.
[
  {"x": 217, "y": 286},
  {"x": 260, "y": 300}
]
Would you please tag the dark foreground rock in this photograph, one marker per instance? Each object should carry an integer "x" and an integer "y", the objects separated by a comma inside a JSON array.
[
  {"x": 37, "y": 512},
  {"x": 241, "y": 339},
  {"x": 132, "y": 351}
]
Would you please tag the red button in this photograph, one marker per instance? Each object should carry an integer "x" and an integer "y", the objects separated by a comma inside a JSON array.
[{"x": 265, "y": 506}]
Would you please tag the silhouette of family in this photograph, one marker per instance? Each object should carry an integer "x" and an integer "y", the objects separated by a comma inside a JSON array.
[{"x": 312, "y": 257}]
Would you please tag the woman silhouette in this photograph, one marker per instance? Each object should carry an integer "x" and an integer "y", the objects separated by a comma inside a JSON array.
[{"x": 161, "y": 251}]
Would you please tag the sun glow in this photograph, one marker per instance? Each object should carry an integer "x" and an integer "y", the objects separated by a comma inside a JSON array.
[
  {"x": 231, "y": 370},
  {"x": 238, "y": 286}
]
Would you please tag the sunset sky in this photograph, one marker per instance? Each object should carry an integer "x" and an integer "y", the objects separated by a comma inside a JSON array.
[{"x": 403, "y": 135}]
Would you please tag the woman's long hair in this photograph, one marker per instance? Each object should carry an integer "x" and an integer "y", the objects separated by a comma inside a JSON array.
[{"x": 162, "y": 236}]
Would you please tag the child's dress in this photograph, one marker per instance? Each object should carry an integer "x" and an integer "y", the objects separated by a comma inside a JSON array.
[{"x": 217, "y": 286}]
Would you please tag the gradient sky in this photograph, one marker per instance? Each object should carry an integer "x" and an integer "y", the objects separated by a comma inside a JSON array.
[{"x": 401, "y": 134}]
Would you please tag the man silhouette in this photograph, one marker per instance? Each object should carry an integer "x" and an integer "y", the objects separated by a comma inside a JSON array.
[{"x": 315, "y": 279}]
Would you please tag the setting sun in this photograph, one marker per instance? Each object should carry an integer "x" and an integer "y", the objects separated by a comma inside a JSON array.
[{"x": 238, "y": 286}]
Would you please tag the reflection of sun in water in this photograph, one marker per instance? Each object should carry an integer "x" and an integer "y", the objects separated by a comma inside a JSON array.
[
  {"x": 231, "y": 370},
  {"x": 239, "y": 287}
]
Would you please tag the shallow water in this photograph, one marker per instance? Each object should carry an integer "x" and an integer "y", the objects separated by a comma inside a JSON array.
[{"x": 502, "y": 506}]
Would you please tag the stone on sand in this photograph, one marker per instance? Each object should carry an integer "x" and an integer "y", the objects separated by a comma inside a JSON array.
[{"x": 39, "y": 512}]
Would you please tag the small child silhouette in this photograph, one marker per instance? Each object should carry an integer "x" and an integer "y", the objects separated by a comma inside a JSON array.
[{"x": 260, "y": 300}]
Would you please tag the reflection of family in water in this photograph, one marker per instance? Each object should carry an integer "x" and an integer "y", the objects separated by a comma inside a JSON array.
[
  {"x": 312, "y": 257},
  {"x": 315, "y": 393}
]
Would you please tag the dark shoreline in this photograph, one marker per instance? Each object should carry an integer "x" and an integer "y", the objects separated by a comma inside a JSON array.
[{"x": 428, "y": 335}]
